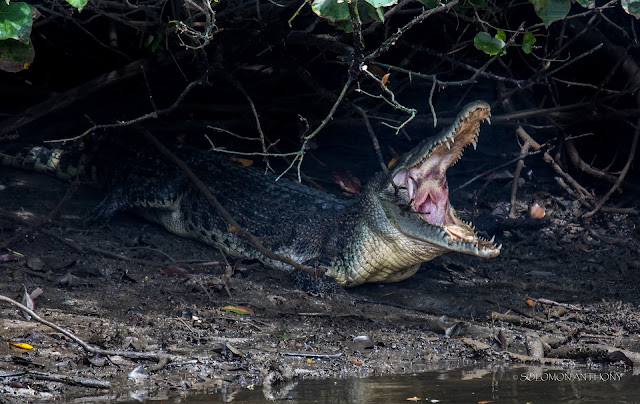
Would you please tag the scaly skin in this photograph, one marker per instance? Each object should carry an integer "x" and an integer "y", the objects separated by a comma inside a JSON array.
[{"x": 396, "y": 224}]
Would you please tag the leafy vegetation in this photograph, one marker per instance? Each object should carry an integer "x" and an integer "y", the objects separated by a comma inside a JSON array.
[{"x": 16, "y": 20}]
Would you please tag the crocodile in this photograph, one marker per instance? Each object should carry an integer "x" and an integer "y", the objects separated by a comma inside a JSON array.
[{"x": 401, "y": 219}]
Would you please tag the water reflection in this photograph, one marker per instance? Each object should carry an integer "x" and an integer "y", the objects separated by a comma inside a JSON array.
[{"x": 476, "y": 385}]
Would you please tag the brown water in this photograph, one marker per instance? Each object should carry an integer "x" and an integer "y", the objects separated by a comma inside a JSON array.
[{"x": 503, "y": 385}]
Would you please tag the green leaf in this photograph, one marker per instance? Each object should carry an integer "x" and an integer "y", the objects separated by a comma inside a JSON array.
[
  {"x": 381, "y": 3},
  {"x": 632, "y": 7},
  {"x": 538, "y": 4},
  {"x": 15, "y": 21},
  {"x": 367, "y": 13},
  {"x": 551, "y": 10},
  {"x": 501, "y": 35},
  {"x": 587, "y": 3},
  {"x": 79, "y": 4},
  {"x": 527, "y": 42},
  {"x": 429, "y": 4},
  {"x": 332, "y": 10},
  {"x": 338, "y": 10},
  {"x": 15, "y": 56},
  {"x": 488, "y": 44}
]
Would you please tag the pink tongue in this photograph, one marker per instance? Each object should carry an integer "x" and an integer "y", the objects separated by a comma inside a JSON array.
[{"x": 431, "y": 212}]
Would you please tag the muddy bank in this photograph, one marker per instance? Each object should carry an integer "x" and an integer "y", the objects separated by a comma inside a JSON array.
[{"x": 562, "y": 293}]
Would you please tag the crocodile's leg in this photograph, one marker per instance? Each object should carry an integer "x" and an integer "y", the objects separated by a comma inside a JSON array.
[{"x": 149, "y": 196}]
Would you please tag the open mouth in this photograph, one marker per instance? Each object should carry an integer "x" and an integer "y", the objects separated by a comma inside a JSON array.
[{"x": 422, "y": 175}]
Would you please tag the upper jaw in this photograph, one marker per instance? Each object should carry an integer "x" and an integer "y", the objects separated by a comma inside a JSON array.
[{"x": 420, "y": 181}]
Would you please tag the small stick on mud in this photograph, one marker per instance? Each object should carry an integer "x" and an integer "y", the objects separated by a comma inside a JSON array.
[
  {"x": 89, "y": 348},
  {"x": 312, "y": 355},
  {"x": 569, "y": 306},
  {"x": 528, "y": 144},
  {"x": 77, "y": 381},
  {"x": 517, "y": 310}
]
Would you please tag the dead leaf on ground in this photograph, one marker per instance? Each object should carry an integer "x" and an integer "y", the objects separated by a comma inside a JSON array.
[
  {"x": 35, "y": 263},
  {"x": 8, "y": 257},
  {"x": 536, "y": 211},
  {"x": 174, "y": 272},
  {"x": 241, "y": 161},
  {"x": 20, "y": 345},
  {"x": 238, "y": 309},
  {"x": 501, "y": 339},
  {"x": 27, "y": 301},
  {"x": 346, "y": 180}
]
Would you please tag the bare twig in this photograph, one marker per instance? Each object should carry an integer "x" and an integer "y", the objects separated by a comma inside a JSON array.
[
  {"x": 300, "y": 154},
  {"x": 623, "y": 173},
  {"x": 139, "y": 119},
  {"x": 387, "y": 44},
  {"x": 528, "y": 144},
  {"x": 374, "y": 140},
  {"x": 82, "y": 91},
  {"x": 84, "y": 345}
]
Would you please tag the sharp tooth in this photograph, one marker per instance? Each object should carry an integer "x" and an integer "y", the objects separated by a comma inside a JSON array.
[
  {"x": 451, "y": 138},
  {"x": 448, "y": 145},
  {"x": 475, "y": 144},
  {"x": 488, "y": 120},
  {"x": 493, "y": 238},
  {"x": 475, "y": 250},
  {"x": 500, "y": 247}
]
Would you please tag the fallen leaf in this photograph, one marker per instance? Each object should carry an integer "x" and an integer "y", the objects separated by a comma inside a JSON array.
[
  {"x": 234, "y": 350},
  {"x": 174, "y": 272},
  {"x": 8, "y": 257},
  {"x": 241, "y": 161},
  {"x": 35, "y": 263},
  {"x": 238, "y": 309},
  {"x": 484, "y": 402},
  {"x": 97, "y": 360},
  {"x": 232, "y": 229},
  {"x": 21, "y": 345},
  {"x": 27, "y": 301},
  {"x": 414, "y": 398},
  {"x": 356, "y": 362},
  {"x": 392, "y": 162},
  {"x": 530, "y": 302},
  {"x": 536, "y": 211},
  {"x": 385, "y": 78},
  {"x": 346, "y": 180},
  {"x": 310, "y": 361},
  {"x": 501, "y": 339},
  {"x": 36, "y": 292},
  {"x": 499, "y": 175}
]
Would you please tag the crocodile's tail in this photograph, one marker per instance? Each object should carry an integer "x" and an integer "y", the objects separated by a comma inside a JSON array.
[{"x": 63, "y": 164}]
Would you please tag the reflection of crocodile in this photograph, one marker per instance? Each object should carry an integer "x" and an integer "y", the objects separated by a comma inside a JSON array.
[{"x": 382, "y": 236}]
